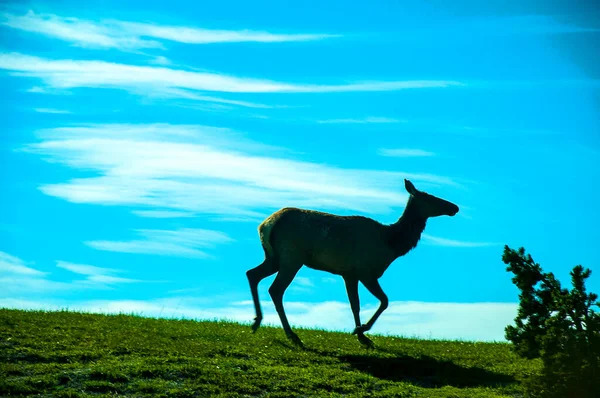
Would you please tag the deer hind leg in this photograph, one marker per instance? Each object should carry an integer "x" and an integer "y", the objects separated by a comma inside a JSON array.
[
  {"x": 373, "y": 286},
  {"x": 287, "y": 272},
  {"x": 255, "y": 275},
  {"x": 352, "y": 290}
]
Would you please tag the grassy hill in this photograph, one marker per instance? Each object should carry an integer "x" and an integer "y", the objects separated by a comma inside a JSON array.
[{"x": 67, "y": 354}]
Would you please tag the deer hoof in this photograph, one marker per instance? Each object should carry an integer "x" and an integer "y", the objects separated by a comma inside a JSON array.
[
  {"x": 364, "y": 340},
  {"x": 256, "y": 324},
  {"x": 295, "y": 339}
]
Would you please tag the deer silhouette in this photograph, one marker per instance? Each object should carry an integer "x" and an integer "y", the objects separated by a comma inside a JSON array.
[{"x": 356, "y": 248}]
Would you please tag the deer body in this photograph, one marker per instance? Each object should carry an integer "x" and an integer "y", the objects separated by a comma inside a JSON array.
[
  {"x": 342, "y": 245},
  {"x": 354, "y": 247}
]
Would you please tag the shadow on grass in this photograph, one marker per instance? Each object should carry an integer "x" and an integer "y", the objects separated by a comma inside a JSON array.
[{"x": 425, "y": 371}]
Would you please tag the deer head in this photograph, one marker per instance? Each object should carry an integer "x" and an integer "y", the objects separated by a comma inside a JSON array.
[{"x": 428, "y": 205}]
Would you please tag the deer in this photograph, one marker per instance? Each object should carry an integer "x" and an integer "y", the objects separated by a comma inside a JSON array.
[{"x": 357, "y": 248}]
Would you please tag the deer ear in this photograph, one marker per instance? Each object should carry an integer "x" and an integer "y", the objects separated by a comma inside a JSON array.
[{"x": 410, "y": 188}]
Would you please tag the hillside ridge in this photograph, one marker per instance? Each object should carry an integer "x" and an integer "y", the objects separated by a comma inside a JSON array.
[{"x": 72, "y": 354}]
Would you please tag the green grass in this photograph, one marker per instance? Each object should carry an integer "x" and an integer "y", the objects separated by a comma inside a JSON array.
[{"x": 68, "y": 354}]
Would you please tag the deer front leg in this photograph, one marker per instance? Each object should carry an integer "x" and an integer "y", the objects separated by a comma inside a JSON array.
[
  {"x": 352, "y": 290},
  {"x": 372, "y": 286}
]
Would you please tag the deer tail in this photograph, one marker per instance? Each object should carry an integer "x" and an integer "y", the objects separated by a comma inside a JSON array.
[{"x": 264, "y": 231}]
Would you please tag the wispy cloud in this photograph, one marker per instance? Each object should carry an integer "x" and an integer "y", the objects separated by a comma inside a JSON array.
[
  {"x": 28, "y": 286},
  {"x": 257, "y": 219},
  {"x": 192, "y": 35},
  {"x": 51, "y": 110},
  {"x": 162, "y": 213},
  {"x": 437, "y": 241},
  {"x": 160, "y": 60},
  {"x": 124, "y": 35},
  {"x": 404, "y": 152},
  {"x": 109, "y": 279},
  {"x": 79, "y": 32},
  {"x": 14, "y": 265},
  {"x": 95, "y": 274},
  {"x": 84, "y": 269},
  {"x": 367, "y": 120},
  {"x": 206, "y": 170},
  {"x": 302, "y": 284},
  {"x": 19, "y": 280},
  {"x": 462, "y": 321},
  {"x": 183, "y": 242},
  {"x": 190, "y": 95},
  {"x": 101, "y": 74},
  {"x": 303, "y": 281},
  {"x": 47, "y": 90}
]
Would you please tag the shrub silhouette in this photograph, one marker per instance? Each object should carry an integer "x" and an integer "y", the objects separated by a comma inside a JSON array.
[{"x": 557, "y": 325}]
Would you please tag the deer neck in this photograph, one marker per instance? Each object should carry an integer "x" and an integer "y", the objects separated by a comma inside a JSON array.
[{"x": 406, "y": 232}]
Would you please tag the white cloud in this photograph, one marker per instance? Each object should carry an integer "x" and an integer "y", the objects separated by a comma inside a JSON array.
[
  {"x": 461, "y": 321},
  {"x": 146, "y": 247},
  {"x": 160, "y": 60},
  {"x": 124, "y": 35},
  {"x": 37, "y": 89},
  {"x": 84, "y": 269},
  {"x": 190, "y": 35},
  {"x": 206, "y": 170},
  {"x": 18, "y": 280},
  {"x": 95, "y": 274},
  {"x": 182, "y": 242},
  {"x": 130, "y": 36},
  {"x": 437, "y": 241},
  {"x": 190, "y": 95},
  {"x": 47, "y": 90},
  {"x": 301, "y": 284},
  {"x": 28, "y": 286},
  {"x": 51, "y": 110},
  {"x": 101, "y": 74},
  {"x": 162, "y": 213},
  {"x": 367, "y": 120},
  {"x": 430, "y": 320},
  {"x": 303, "y": 281},
  {"x": 109, "y": 279},
  {"x": 256, "y": 220},
  {"x": 14, "y": 265},
  {"x": 404, "y": 152},
  {"x": 78, "y": 32}
]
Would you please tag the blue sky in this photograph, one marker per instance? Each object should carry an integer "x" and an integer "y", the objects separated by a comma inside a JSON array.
[{"x": 142, "y": 146}]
